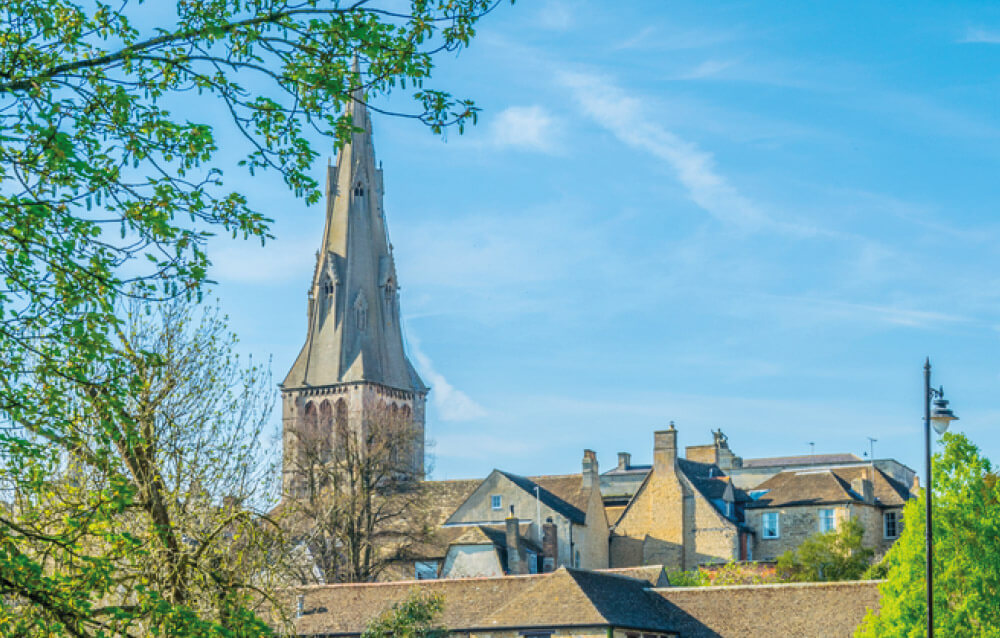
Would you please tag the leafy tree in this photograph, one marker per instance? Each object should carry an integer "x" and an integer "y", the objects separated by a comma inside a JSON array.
[
  {"x": 834, "y": 555},
  {"x": 110, "y": 190},
  {"x": 966, "y": 554},
  {"x": 189, "y": 535}
]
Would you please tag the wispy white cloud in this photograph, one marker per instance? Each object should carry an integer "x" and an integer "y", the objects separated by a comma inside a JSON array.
[
  {"x": 980, "y": 35},
  {"x": 622, "y": 114},
  {"x": 673, "y": 39},
  {"x": 529, "y": 128},
  {"x": 452, "y": 404},
  {"x": 816, "y": 309}
]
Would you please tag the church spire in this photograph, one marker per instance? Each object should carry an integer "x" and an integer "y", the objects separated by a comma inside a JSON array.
[{"x": 354, "y": 331}]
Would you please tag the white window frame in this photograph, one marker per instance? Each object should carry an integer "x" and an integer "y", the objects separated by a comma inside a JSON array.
[
  {"x": 827, "y": 513},
  {"x": 496, "y": 502},
  {"x": 896, "y": 520},
  {"x": 764, "y": 526}
]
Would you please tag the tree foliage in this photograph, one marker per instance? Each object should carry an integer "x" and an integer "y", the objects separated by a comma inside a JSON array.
[
  {"x": 415, "y": 617},
  {"x": 184, "y": 550},
  {"x": 110, "y": 189},
  {"x": 966, "y": 554},
  {"x": 838, "y": 554},
  {"x": 731, "y": 573}
]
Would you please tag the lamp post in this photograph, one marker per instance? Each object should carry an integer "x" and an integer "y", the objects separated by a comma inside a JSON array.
[{"x": 940, "y": 417}]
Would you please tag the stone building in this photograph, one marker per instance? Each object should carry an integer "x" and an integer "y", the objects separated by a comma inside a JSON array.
[
  {"x": 684, "y": 513},
  {"x": 352, "y": 368},
  {"x": 792, "y": 505},
  {"x": 510, "y": 524},
  {"x": 714, "y": 506}
]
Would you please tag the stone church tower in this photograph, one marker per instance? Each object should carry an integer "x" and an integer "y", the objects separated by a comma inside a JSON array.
[{"x": 352, "y": 367}]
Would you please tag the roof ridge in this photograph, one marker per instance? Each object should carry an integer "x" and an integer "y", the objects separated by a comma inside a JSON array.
[
  {"x": 830, "y": 584},
  {"x": 398, "y": 583}
]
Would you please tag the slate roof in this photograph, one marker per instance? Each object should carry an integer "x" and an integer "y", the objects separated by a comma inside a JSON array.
[
  {"x": 631, "y": 469},
  {"x": 805, "y": 459},
  {"x": 888, "y": 491},
  {"x": 813, "y": 610},
  {"x": 491, "y": 535},
  {"x": 827, "y": 487},
  {"x": 564, "y": 494},
  {"x": 444, "y": 497},
  {"x": 564, "y": 597},
  {"x": 709, "y": 480},
  {"x": 347, "y": 609},
  {"x": 653, "y": 574},
  {"x": 583, "y": 598}
]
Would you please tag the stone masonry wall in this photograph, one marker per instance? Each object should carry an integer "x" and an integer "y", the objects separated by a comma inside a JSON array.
[
  {"x": 796, "y": 524},
  {"x": 712, "y": 537},
  {"x": 652, "y": 529}
]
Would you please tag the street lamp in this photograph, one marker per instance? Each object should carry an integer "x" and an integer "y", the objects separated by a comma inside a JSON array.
[{"x": 940, "y": 417}]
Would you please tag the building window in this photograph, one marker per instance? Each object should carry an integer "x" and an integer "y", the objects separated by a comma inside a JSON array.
[
  {"x": 576, "y": 560},
  {"x": 827, "y": 522},
  {"x": 892, "y": 526},
  {"x": 771, "y": 528},
  {"x": 425, "y": 569},
  {"x": 536, "y": 634},
  {"x": 496, "y": 502}
]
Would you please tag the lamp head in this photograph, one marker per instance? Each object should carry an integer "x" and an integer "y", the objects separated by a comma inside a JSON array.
[{"x": 941, "y": 415}]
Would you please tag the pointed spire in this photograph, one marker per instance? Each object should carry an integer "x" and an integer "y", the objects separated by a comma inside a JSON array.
[{"x": 354, "y": 331}]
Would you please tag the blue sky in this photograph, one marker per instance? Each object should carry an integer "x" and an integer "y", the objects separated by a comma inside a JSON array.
[{"x": 759, "y": 217}]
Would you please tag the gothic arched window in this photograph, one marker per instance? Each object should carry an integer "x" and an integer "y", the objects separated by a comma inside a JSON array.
[
  {"x": 340, "y": 426},
  {"x": 324, "y": 431},
  {"x": 359, "y": 190}
]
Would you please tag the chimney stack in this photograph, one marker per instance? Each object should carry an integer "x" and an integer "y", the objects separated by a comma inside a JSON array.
[
  {"x": 590, "y": 475},
  {"x": 665, "y": 449},
  {"x": 863, "y": 488},
  {"x": 550, "y": 546},
  {"x": 515, "y": 565},
  {"x": 624, "y": 460}
]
